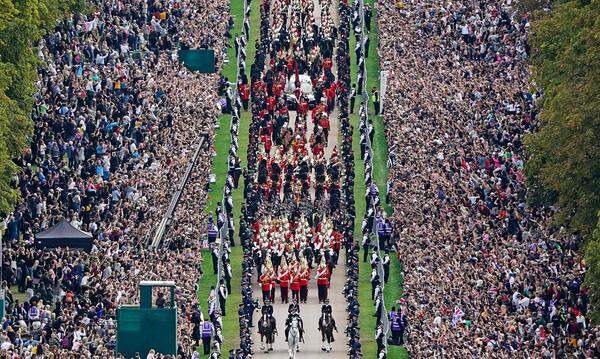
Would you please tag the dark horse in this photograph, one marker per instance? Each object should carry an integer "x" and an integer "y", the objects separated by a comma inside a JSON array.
[
  {"x": 267, "y": 328},
  {"x": 326, "y": 326}
]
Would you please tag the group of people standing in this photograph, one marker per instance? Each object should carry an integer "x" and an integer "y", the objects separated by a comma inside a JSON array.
[
  {"x": 115, "y": 116},
  {"x": 485, "y": 274}
]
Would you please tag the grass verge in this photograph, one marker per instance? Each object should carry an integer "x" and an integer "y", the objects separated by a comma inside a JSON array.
[
  {"x": 393, "y": 290},
  {"x": 222, "y": 143}
]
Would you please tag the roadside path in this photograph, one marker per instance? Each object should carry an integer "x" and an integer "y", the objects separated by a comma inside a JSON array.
[{"x": 311, "y": 311}]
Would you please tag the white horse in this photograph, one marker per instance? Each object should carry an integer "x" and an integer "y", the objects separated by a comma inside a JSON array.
[{"x": 293, "y": 338}]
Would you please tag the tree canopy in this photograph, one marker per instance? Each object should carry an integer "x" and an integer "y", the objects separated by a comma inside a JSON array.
[
  {"x": 564, "y": 167},
  {"x": 22, "y": 24}
]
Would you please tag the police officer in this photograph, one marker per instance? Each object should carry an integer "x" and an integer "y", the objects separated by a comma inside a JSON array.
[
  {"x": 386, "y": 267},
  {"x": 249, "y": 307},
  {"x": 213, "y": 231},
  {"x": 214, "y": 252},
  {"x": 366, "y": 243},
  {"x": 267, "y": 308},
  {"x": 228, "y": 274},
  {"x": 223, "y": 293},
  {"x": 288, "y": 323},
  {"x": 381, "y": 232},
  {"x": 375, "y": 281},
  {"x": 206, "y": 333},
  {"x": 379, "y": 335},
  {"x": 389, "y": 230}
]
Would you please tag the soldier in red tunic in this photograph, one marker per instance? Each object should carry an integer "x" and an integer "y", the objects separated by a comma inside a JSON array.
[
  {"x": 322, "y": 282},
  {"x": 284, "y": 282}
]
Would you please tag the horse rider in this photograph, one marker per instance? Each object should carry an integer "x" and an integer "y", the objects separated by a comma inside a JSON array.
[
  {"x": 267, "y": 309},
  {"x": 326, "y": 309},
  {"x": 288, "y": 323},
  {"x": 294, "y": 307}
]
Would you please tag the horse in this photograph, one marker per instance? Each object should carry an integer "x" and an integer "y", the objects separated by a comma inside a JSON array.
[
  {"x": 293, "y": 338},
  {"x": 326, "y": 326},
  {"x": 267, "y": 329}
]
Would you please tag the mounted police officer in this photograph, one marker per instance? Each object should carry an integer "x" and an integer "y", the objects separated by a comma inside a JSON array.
[
  {"x": 288, "y": 323},
  {"x": 267, "y": 308},
  {"x": 294, "y": 306},
  {"x": 326, "y": 310}
]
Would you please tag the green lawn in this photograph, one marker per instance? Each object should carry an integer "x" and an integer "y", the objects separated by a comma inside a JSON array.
[
  {"x": 237, "y": 12},
  {"x": 219, "y": 163},
  {"x": 231, "y": 324},
  {"x": 207, "y": 281},
  {"x": 219, "y": 167},
  {"x": 380, "y": 172}
]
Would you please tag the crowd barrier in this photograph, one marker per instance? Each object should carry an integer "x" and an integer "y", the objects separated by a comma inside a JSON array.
[{"x": 366, "y": 129}]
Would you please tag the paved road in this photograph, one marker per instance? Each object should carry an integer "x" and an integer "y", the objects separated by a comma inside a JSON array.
[{"x": 310, "y": 313}]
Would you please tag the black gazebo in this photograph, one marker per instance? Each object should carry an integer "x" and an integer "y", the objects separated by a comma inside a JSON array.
[{"x": 63, "y": 234}]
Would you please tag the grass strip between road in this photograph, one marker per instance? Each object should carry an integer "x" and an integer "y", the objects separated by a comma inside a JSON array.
[
  {"x": 393, "y": 289},
  {"x": 219, "y": 168}
]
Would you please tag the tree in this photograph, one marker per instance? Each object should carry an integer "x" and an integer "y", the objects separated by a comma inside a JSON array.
[
  {"x": 22, "y": 24},
  {"x": 564, "y": 165}
]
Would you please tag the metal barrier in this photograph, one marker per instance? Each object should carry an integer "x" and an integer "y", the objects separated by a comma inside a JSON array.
[
  {"x": 235, "y": 100},
  {"x": 166, "y": 221},
  {"x": 368, "y": 161}
]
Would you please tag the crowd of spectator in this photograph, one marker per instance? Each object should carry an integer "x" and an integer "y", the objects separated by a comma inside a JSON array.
[
  {"x": 486, "y": 275},
  {"x": 116, "y": 121}
]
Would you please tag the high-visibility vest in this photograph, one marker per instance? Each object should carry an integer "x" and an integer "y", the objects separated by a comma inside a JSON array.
[
  {"x": 34, "y": 313},
  {"x": 212, "y": 231},
  {"x": 388, "y": 229},
  {"x": 206, "y": 329},
  {"x": 380, "y": 229}
]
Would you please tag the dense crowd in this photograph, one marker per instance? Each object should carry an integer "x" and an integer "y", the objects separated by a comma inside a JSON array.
[
  {"x": 116, "y": 121},
  {"x": 485, "y": 273}
]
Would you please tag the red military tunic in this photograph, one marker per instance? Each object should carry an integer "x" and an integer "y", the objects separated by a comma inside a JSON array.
[
  {"x": 323, "y": 277},
  {"x": 284, "y": 279},
  {"x": 295, "y": 284},
  {"x": 265, "y": 281}
]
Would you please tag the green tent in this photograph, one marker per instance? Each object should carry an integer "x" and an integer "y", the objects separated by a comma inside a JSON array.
[{"x": 201, "y": 60}]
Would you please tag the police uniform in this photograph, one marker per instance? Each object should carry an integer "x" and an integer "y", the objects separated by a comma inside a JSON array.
[
  {"x": 206, "y": 334},
  {"x": 288, "y": 322}
]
